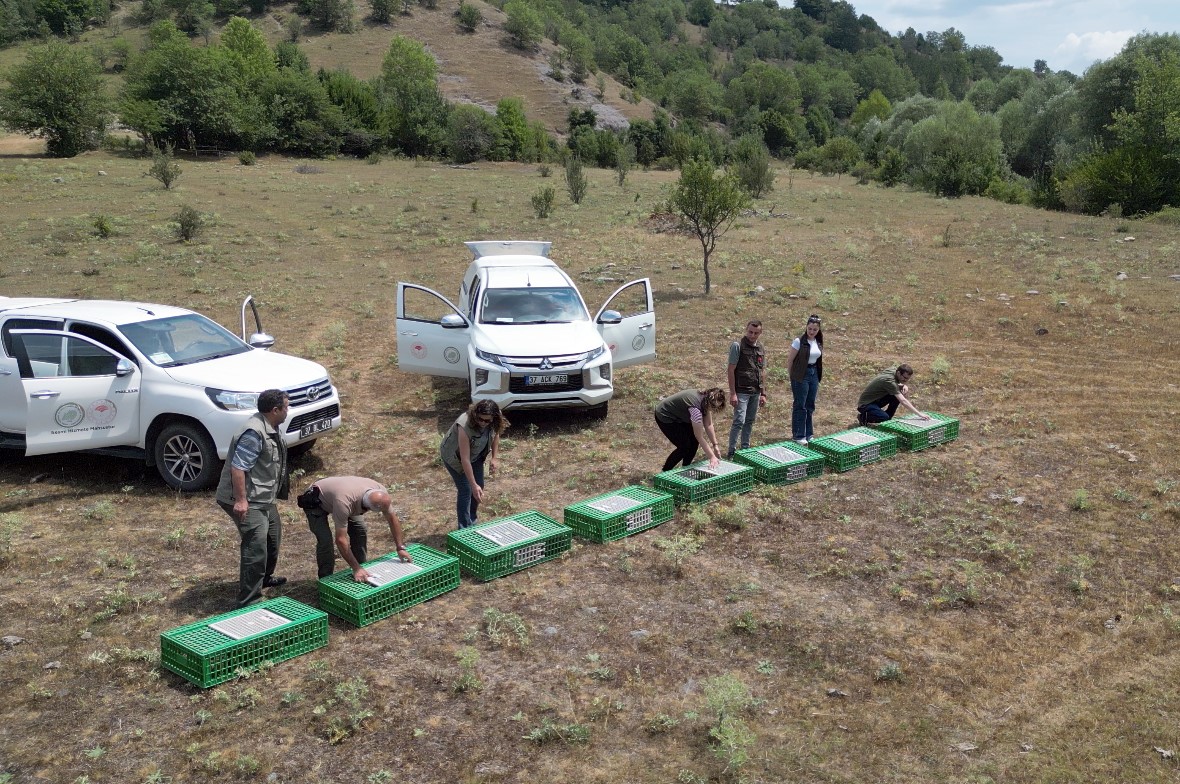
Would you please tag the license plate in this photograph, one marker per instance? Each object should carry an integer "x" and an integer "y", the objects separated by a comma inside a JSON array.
[
  {"x": 553, "y": 378},
  {"x": 315, "y": 427}
]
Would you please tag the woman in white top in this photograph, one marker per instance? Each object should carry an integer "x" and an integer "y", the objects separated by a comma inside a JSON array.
[{"x": 805, "y": 361}]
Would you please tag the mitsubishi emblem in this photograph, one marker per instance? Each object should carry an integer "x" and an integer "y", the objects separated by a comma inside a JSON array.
[{"x": 546, "y": 364}]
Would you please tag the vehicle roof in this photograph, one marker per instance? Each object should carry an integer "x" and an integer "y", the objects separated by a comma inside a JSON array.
[
  {"x": 525, "y": 276},
  {"x": 99, "y": 310}
]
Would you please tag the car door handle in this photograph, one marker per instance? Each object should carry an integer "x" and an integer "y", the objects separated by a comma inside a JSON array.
[
  {"x": 5, "y": 372},
  {"x": 44, "y": 394},
  {"x": 645, "y": 326},
  {"x": 407, "y": 332}
]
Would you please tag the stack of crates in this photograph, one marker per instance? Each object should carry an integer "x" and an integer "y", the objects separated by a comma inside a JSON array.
[
  {"x": 393, "y": 586},
  {"x": 914, "y": 434},
  {"x": 859, "y": 446},
  {"x": 783, "y": 463},
  {"x": 213, "y": 651},
  {"x": 508, "y": 544},
  {"x": 614, "y": 515},
  {"x": 697, "y": 483}
]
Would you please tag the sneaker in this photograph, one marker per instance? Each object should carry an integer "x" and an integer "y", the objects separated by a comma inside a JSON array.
[
  {"x": 802, "y": 441},
  {"x": 273, "y": 582}
]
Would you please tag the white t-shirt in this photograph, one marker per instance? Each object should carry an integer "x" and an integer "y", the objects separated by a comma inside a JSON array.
[{"x": 815, "y": 352}]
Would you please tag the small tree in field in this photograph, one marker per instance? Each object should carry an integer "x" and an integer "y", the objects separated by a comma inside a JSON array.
[
  {"x": 164, "y": 167},
  {"x": 57, "y": 94},
  {"x": 575, "y": 179},
  {"x": 709, "y": 202}
]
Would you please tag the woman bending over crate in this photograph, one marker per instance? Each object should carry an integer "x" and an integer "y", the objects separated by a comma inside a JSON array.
[
  {"x": 472, "y": 439},
  {"x": 686, "y": 418}
]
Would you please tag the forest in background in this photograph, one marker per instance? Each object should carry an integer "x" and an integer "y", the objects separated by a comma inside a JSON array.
[{"x": 814, "y": 84}]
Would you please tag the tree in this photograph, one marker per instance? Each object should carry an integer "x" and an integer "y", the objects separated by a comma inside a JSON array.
[
  {"x": 523, "y": 25},
  {"x": 575, "y": 179},
  {"x": 709, "y": 202},
  {"x": 876, "y": 105},
  {"x": 956, "y": 152},
  {"x": 248, "y": 50},
  {"x": 469, "y": 17},
  {"x": 472, "y": 133},
  {"x": 56, "y": 94},
  {"x": 751, "y": 165}
]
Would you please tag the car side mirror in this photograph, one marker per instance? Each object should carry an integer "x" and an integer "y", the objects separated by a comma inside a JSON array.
[
  {"x": 123, "y": 368},
  {"x": 261, "y": 340},
  {"x": 452, "y": 321},
  {"x": 610, "y": 317}
]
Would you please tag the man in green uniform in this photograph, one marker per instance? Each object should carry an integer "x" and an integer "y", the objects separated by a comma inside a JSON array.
[{"x": 887, "y": 390}]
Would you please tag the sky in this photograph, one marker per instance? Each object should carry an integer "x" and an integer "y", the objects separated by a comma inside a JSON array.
[{"x": 1070, "y": 35}]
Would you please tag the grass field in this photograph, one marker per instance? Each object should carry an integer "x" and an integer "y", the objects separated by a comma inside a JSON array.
[{"x": 1002, "y": 608}]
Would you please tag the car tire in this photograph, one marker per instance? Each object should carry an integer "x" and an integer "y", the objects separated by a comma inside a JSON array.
[
  {"x": 186, "y": 457},
  {"x": 299, "y": 450},
  {"x": 599, "y": 411}
]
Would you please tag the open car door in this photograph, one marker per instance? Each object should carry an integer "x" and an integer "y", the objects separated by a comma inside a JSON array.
[
  {"x": 627, "y": 322},
  {"x": 78, "y": 393},
  {"x": 432, "y": 335}
]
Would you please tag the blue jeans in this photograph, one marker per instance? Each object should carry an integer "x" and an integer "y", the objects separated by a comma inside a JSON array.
[
  {"x": 744, "y": 414},
  {"x": 466, "y": 507},
  {"x": 880, "y": 410},
  {"x": 805, "y": 392}
]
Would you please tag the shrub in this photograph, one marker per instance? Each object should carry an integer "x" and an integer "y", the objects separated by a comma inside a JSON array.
[
  {"x": 103, "y": 226},
  {"x": 1009, "y": 191},
  {"x": 382, "y": 11},
  {"x": 523, "y": 25},
  {"x": 189, "y": 223},
  {"x": 575, "y": 179},
  {"x": 164, "y": 167},
  {"x": 469, "y": 17},
  {"x": 543, "y": 202},
  {"x": 247, "y": 158},
  {"x": 751, "y": 166}
]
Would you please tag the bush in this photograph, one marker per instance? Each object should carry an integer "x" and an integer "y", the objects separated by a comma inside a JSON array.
[
  {"x": 575, "y": 179},
  {"x": 382, "y": 11},
  {"x": 543, "y": 201},
  {"x": 751, "y": 166},
  {"x": 523, "y": 25},
  {"x": 469, "y": 17},
  {"x": 189, "y": 223},
  {"x": 1009, "y": 191},
  {"x": 164, "y": 167},
  {"x": 247, "y": 158},
  {"x": 103, "y": 226}
]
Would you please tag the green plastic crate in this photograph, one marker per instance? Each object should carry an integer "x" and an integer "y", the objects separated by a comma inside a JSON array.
[
  {"x": 694, "y": 484},
  {"x": 783, "y": 463},
  {"x": 614, "y": 515},
  {"x": 508, "y": 544},
  {"x": 859, "y": 446},
  {"x": 913, "y": 434},
  {"x": 207, "y": 657},
  {"x": 361, "y": 603}
]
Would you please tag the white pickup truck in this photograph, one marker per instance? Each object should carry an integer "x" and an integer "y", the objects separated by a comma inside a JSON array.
[
  {"x": 521, "y": 333},
  {"x": 155, "y": 382}
]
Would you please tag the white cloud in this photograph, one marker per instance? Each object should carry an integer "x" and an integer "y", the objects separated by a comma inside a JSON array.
[{"x": 1089, "y": 47}]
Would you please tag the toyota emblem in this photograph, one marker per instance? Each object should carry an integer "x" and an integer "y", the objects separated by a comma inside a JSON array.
[{"x": 314, "y": 392}]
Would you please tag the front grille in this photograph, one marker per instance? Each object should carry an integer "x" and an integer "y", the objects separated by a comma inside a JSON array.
[
  {"x": 310, "y": 393},
  {"x": 517, "y": 386},
  {"x": 330, "y": 412},
  {"x": 557, "y": 360}
]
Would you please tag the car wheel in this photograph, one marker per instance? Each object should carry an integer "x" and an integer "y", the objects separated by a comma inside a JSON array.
[
  {"x": 599, "y": 411},
  {"x": 299, "y": 450},
  {"x": 186, "y": 457}
]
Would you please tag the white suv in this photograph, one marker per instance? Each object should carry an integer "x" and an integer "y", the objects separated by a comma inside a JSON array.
[
  {"x": 155, "y": 382},
  {"x": 521, "y": 333}
]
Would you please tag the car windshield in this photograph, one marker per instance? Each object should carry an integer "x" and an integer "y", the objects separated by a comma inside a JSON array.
[
  {"x": 182, "y": 340},
  {"x": 532, "y": 305}
]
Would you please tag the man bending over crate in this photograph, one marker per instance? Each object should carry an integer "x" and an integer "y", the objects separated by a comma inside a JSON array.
[
  {"x": 887, "y": 390},
  {"x": 347, "y": 498}
]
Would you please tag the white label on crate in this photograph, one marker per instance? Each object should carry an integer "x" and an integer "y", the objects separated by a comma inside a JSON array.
[
  {"x": 506, "y": 533},
  {"x": 870, "y": 453},
  {"x": 723, "y": 468},
  {"x": 249, "y": 624},
  {"x": 386, "y": 572},
  {"x": 934, "y": 436},
  {"x": 853, "y": 438},
  {"x": 797, "y": 471},
  {"x": 639, "y": 519},
  {"x": 780, "y": 454},
  {"x": 614, "y": 503},
  {"x": 528, "y": 555}
]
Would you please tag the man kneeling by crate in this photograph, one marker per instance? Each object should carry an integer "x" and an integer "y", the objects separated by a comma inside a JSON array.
[{"x": 347, "y": 498}]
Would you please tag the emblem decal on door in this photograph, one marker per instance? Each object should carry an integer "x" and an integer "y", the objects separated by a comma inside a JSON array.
[
  {"x": 638, "y": 342},
  {"x": 418, "y": 350},
  {"x": 451, "y": 354},
  {"x": 101, "y": 412},
  {"x": 70, "y": 415}
]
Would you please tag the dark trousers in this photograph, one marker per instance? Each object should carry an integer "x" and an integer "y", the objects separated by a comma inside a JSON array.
[
  {"x": 325, "y": 540},
  {"x": 262, "y": 533},
  {"x": 466, "y": 507},
  {"x": 880, "y": 410},
  {"x": 683, "y": 438}
]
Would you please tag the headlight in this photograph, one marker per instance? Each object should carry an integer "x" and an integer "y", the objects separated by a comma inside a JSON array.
[
  {"x": 495, "y": 359},
  {"x": 233, "y": 401},
  {"x": 595, "y": 354}
]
